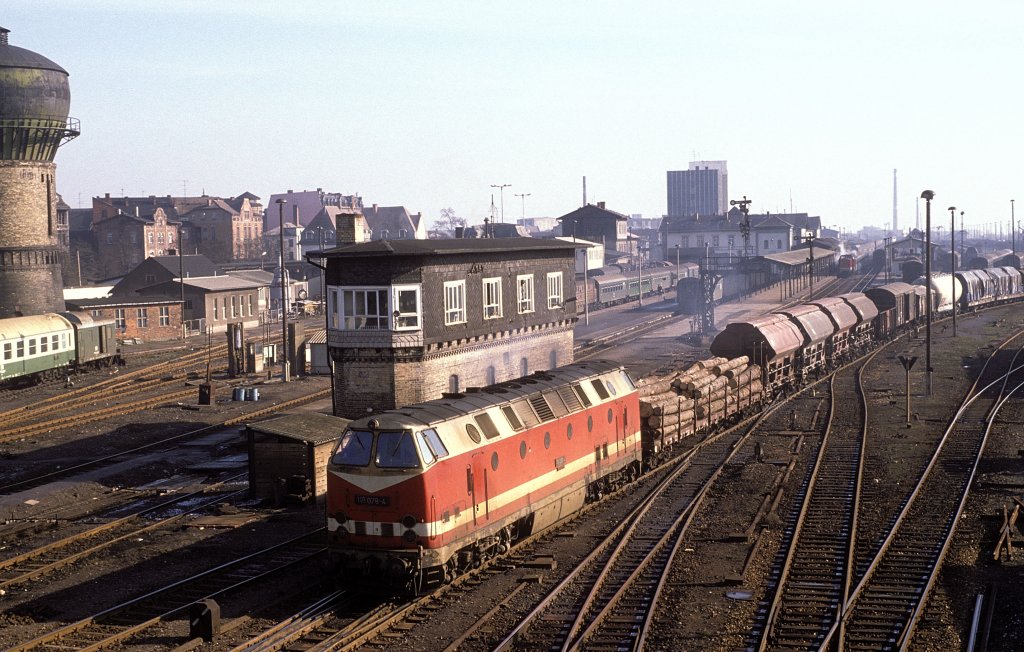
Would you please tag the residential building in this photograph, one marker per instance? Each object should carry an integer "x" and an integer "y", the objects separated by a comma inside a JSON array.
[
  {"x": 412, "y": 319},
  {"x": 303, "y": 206},
  {"x": 292, "y": 243},
  {"x": 125, "y": 240},
  {"x": 703, "y": 189},
  {"x": 223, "y": 229},
  {"x": 394, "y": 223},
  {"x": 599, "y": 224},
  {"x": 696, "y": 235}
]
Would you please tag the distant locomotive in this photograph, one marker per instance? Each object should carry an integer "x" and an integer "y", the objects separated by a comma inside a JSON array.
[
  {"x": 847, "y": 265},
  {"x": 49, "y": 346}
]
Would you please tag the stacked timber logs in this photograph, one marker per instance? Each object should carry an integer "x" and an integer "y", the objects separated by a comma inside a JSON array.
[{"x": 684, "y": 402}]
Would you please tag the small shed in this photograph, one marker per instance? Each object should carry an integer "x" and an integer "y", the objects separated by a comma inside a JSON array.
[
  {"x": 288, "y": 456},
  {"x": 316, "y": 347}
]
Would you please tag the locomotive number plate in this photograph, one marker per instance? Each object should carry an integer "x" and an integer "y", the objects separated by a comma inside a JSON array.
[{"x": 373, "y": 501}]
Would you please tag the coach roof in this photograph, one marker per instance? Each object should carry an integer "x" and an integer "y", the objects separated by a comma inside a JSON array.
[{"x": 440, "y": 247}]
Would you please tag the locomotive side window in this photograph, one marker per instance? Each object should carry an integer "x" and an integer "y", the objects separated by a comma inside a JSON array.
[
  {"x": 487, "y": 425},
  {"x": 599, "y": 388},
  {"x": 611, "y": 388},
  {"x": 396, "y": 450},
  {"x": 354, "y": 449},
  {"x": 425, "y": 453},
  {"x": 8, "y": 351},
  {"x": 437, "y": 447},
  {"x": 473, "y": 433},
  {"x": 513, "y": 419}
]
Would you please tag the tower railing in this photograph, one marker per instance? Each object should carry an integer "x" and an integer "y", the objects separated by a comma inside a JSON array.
[{"x": 36, "y": 138}]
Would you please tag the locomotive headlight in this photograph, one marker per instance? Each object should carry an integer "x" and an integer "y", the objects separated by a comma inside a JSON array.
[
  {"x": 340, "y": 518},
  {"x": 410, "y": 536},
  {"x": 409, "y": 521}
]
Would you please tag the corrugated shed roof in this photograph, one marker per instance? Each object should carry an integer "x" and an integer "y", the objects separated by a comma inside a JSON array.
[{"x": 433, "y": 247}]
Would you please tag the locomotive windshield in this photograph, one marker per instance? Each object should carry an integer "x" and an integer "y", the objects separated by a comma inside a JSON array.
[
  {"x": 354, "y": 449},
  {"x": 396, "y": 450}
]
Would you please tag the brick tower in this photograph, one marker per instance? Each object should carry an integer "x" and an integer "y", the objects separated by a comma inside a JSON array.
[{"x": 34, "y": 103}]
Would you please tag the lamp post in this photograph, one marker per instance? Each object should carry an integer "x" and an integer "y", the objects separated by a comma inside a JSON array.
[
  {"x": 677, "y": 259},
  {"x": 181, "y": 282},
  {"x": 1013, "y": 228},
  {"x": 501, "y": 191},
  {"x": 952, "y": 258},
  {"x": 927, "y": 196},
  {"x": 284, "y": 300},
  {"x": 523, "y": 195}
]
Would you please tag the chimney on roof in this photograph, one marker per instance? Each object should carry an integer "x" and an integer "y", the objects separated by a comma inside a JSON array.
[
  {"x": 295, "y": 214},
  {"x": 106, "y": 196},
  {"x": 319, "y": 189},
  {"x": 3, "y": 35},
  {"x": 289, "y": 191},
  {"x": 600, "y": 204}
]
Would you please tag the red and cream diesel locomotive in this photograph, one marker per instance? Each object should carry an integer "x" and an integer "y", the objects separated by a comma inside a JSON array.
[{"x": 420, "y": 494}]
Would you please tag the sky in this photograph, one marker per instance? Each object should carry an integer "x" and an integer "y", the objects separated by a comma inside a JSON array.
[{"x": 428, "y": 104}]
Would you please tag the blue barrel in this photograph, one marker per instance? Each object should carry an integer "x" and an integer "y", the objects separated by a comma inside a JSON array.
[
  {"x": 238, "y": 394},
  {"x": 252, "y": 393}
]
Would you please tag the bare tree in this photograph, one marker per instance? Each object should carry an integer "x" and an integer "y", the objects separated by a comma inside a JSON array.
[{"x": 448, "y": 221}]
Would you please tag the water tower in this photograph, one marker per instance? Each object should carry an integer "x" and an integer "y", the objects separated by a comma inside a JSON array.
[{"x": 34, "y": 102}]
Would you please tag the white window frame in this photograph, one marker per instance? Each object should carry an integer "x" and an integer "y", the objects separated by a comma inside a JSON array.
[
  {"x": 554, "y": 290},
  {"x": 165, "y": 315},
  {"x": 350, "y": 296},
  {"x": 492, "y": 304},
  {"x": 454, "y": 302},
  {"x": 524, "y": 293},
  {"x": 403, "y": 319}
]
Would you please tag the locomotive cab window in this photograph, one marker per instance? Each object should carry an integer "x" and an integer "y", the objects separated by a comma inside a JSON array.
[
  {"x": 354, "y": 449},
  {"x": 434, "y": 442},
  {"x": 396, "y": 450}
]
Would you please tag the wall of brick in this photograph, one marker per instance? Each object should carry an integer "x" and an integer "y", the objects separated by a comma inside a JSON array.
[
  {"x": 372, "y": 380},
  {"x": 153, "y": 332},
  {"x": 30, "y": 254}
]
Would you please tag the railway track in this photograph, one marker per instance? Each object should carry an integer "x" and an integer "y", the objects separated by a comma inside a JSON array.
[
  {"x": 886, "y": 604},
  {"x": 117, "y": 625},
  {"x": 606, "y": 601},
  {"x": 167, "y": 442},
  {"x": 811, "y": 576},
  {"x": 50, "y": 558}
]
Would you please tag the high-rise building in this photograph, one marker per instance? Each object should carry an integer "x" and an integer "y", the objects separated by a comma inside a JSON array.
[
  {"x": 702, "y": 190},
  {"x": 34, "y": 102}
]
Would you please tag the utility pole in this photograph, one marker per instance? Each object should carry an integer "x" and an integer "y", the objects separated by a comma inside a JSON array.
[
  {"x": 284, "y": 299},
  {"x": 809, "y": 239},
  {"x": 952, "y": 256},
  {"x": 928, "y": 196},
  {"x": 501, "y": 191},
  {"x": 523, "y": 195}
]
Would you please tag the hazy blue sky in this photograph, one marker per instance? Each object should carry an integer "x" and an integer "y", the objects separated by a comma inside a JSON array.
[{"x": 427, "y": 104}]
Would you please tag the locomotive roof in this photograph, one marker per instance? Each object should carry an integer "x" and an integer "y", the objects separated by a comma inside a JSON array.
[
  {"x": 15, "y": 328},
  {"x": 476, "y": 399}
]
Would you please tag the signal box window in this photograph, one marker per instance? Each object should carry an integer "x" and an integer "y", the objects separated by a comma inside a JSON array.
[
  {"x": 366, "y": 309},
  {"x": 492, "y": 298},
  {"x": 554, "y": 290},
  {"x": 455, "y": 302},
  {"x": 524, "y": 289},
  {"x": 407, "y": 307}
]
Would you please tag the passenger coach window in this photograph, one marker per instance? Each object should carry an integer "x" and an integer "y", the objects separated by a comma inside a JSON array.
[
  {"x": 396, "y": 450},
  {"x": 354, "y": 449}
]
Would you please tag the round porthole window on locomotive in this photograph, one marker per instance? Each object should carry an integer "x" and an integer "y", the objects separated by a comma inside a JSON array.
[
  {"x": 547, "y": 440},
  {"x": 568, "y": 431},
  {"x": 494, "y": 461},
  {"x": 611, "y": 415},
  {"x": 473, "y": 433},
  {"x": 590, "y": 423},
  {"x": 611, "y": 388},
  {"x": 522, "y": 450}
]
